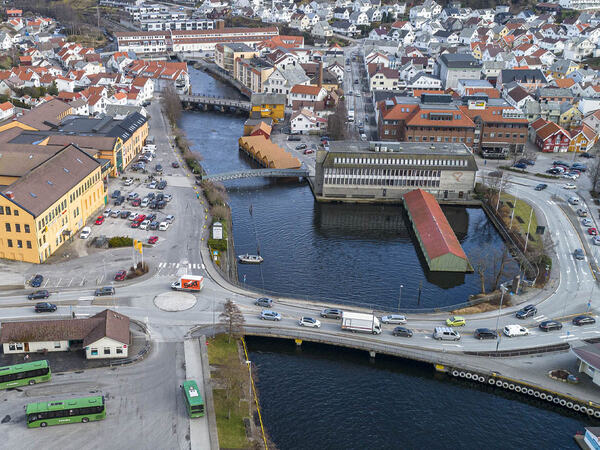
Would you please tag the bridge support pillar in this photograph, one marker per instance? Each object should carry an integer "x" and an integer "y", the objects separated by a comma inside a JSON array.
[
  {"x": 372, "y": 353},
  {"x": 440, "y": 368},
  {"x": 298, "y": 342}
]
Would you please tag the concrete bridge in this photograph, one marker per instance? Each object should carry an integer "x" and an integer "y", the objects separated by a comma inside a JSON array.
[
  {"x": 218, "y": 102},
  {"x": 253, "y": 173}
]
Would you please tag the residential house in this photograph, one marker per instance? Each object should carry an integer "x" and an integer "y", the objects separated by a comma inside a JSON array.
[
  {"x": 307, "y": 122},
  {"x": 268, "y": 106},
  {"x": 6, "y": 110},
  {"x": 452, "y": 67},
  {"x": 550, "y": 137},
  {"x": 301, "y": 92},
  {"x": 583, "y": 139}
]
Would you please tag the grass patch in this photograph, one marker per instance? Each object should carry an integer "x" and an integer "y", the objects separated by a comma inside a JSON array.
[
  {"x": 219, "y": 350},
  {"x": 522, "y": 210},
  {"x": 232, "y": 432}
]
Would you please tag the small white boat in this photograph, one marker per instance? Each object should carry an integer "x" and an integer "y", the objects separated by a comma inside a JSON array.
[{"x": 250, "y": 259}]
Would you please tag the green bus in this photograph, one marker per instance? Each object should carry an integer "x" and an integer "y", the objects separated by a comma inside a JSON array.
[
  {"x": 74, "y": 410},
  {"x": 26, "y": 373},
  {"x": 193, "y": 400}
]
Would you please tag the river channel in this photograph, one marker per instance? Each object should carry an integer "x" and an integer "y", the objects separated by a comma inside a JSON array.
[{"x": 319, "y": 398}]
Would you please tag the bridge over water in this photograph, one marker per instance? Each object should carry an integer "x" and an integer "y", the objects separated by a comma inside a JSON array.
[
  {"x": 222, "y": 102},
  {"x": 254, "y": 173}
]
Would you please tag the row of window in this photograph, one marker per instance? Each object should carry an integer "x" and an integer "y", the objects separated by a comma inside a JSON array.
[
  {"x": 65, "y": 413},
  {"x": 6, "y": 210},
  {"x": 23, "y": 375},
  {"x": 438, "y": 139},
  {"x": 383, "y": 172},
  {"x": 363, "y": 181},
  {"x": 48, "y": 218},
  {"x": 9, "y": 243},
  {"x": 17, "y": 228},
  {"x": 400, "y": 161},
  {"x": 107, "y": 351},
  {"x": 507, "y": 135}
]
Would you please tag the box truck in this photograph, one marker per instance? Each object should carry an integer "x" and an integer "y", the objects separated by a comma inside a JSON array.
[
  {"x": 188, "y": 283},
  {"x": 365, "y": 323}
]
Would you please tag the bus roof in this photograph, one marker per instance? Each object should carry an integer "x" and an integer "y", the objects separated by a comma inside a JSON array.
[
  {"x": 23, "y": 367},
  {"x": 192, "y": 393},
  {"x": 57, "y": 405}
]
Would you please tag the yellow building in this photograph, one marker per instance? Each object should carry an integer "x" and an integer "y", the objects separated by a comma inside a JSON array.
[
  {"x": 582, "y": 139},
  {"x": 44, "y": 208},
  {"x": 569, "y": 116},
  {"x": 268, "y": 105},
  {"x": 43, "y": 117},
  {"x": 226, "y": 54}
]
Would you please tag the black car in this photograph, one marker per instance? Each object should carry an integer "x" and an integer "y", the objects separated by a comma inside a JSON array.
[
  {"x": 153, "y": 225},
  {"x": 116, "y": 194},
  {"x": 119, "y": 200},
  {"x": 541, "y": 187},
  {"x": 106, "y": 290},
  {"x": 151, "y": 217},
  {"x": 301, "y": 147},
  {"x": 125, "y": 214},
  {"x": 554, "y": 171},
  {"x": 45, "y": 307},
  {"x": 583, "y": 320},
  {"x": 402, "y": 332},
  {"x": 161, "y": 185},
  {"x": 151, "y": 195},
  {"x": 161, "y": 204},
  {"x": 175, "y": 165},
  {"x": 36, "y": 281},
  {"x": 587, "y": 155},
  {"x": 152, "y": 204},
  {"x": 332, "y": 313},
  {"x": 38, "y": 295},
  {"x": 549, "y": 325},
  {"x": 526, "y": 311},
  {"x": 159, "y": 197},
  {"x": 158, "y": 168},
  {"x": 485, "y": 333},
  {"x": 294, "y": 138}
]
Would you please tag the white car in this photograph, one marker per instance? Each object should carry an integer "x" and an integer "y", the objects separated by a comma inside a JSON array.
[
  {"x": 115, "y": 213},
  {"x": 132, "y": 217},
  {"x": 569, "y": 186},
  {"x": 163, "y": 226},
  {"x": 107, "y": 212},
  {"x": 309, "y": 322},
  {"x": 569, "y": 176},
  {"x": 596, "y": 240},
  {"x": 144, "y": 225},
  {"x": 85, "y": 232},
  {"x": 394, "y": 318},
  {"x": 515, "y": 330},
  {"x": 128, "y": 181},
  {"x": 587, "y": 222}
]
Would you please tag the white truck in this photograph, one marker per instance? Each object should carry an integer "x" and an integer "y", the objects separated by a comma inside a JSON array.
[
  {"x": 359, "y": 322},
  {"x": 188, "y": 283},
  {"x": 350, "y": 115}
]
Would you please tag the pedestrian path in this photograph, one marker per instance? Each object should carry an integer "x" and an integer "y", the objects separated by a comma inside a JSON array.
[
  {"x": 180, "y": 268},
  {"x": 199, "y": 436}
]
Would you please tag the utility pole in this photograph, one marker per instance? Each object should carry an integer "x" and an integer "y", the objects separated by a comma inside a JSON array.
[
  {"x": 528, "y": 226},
  {"x": 503, "y": 289},
  {"x": 400, "y": 297}
]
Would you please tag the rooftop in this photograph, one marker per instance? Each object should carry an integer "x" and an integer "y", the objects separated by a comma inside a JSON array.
[{"x": 417, "y": 148}]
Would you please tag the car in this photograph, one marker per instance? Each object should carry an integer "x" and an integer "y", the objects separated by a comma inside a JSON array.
[
  {"x": 175, "y": 165},
  {"x": 526, "y": 311},
  {"x": 587, "y": 155},
  {"x": 144, "y": 224},
  {"x": 456, "y": 321},
  {"x": 161, "y": 185},
  {"x": 583, "y": 320},
  {"x": 358, "y": 93},
  {"x": 151, "y": 217},
  {"x": 145, "y": 202},
  {"x": 133, "y": 195},
  {"x": 549, "y": 325},
  {"x": 592, "y": 231},
  {"x": 309, "y": 151},
  {"x": 267, "y": 314},
  {"x": 45, "y": 307},
  {"x": 569, "y": 176},
  {"x": 520, "y": 165},
  {"x": 119, "y": 201},
  {"x": 561, "y": 163},
  {"x": 579, "y": 254},
  {"x": 120, "y": 275},
  {"x": 153, "y": 204},
  {"x": 36, "y": 281},
  {"x": 573, "y": 200},
  {"x": 579, "y": 166},
  {"x": 587, "y": 222},
  {"x": 515, "y": 330},
  {"x": 160, "y": 196},
  {"x": 38, "y": 295},
  {"x": 151, "y": 185},
  {"x": 107, "y": 212},
  {"x": 105, "y": 290},
  {"x": 152, "y": 239},
  {"x": 574, "y": 174},
  {"x": 125, "y": 214},
  {"x": 168, "y": 197},
  {"x": 264, "y": 301},
  {"x": 163, "y": 226},
  {"x": 309, "y": 322},
  {"x": 170, "y": 218},
  {"x": 133, "y": 216},
  {"x": 529, "y": 162},
  {"x": 324, "y": 138},
  {"x": 569, "y": 186},
  {"x": 541, "y": 187},
  {"x": 136, "y": 202},
  {"x": 596, "y": 240},
  {"x": 393, "y": 318},
  {"x": 484, "y": 333},
  {"x": 153, "y": 225},
  {"x": 331, "y": 313},
  {"x": 161, "y": 204},
  {"x": 301, "y": 146},
  {"x": 581, "y": 212},
  {"x": 99, "y": 220},
  {"x": 158, "y": 168},
  {"x": 402, "y": 332},
  {"x": 294, "y": 138},
  {"x": 348, "y": 69},
  {"x": 128, "y": 181},
  {"x": 85, "y": 232},
  {"x": 115, "y": 213},
  {"x": 140, "y": 218},
  {"x": 116, "y": 194},
  {"x": 553, "y": 171},
  {"x": 356, "y": 81},
  {"x": 135, "y": 224}
]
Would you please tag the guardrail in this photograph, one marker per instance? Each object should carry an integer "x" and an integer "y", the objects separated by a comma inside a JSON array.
[{"x": 266, "y": 173}]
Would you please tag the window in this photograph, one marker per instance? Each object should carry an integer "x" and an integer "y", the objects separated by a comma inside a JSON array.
[
  {"x": 18, "y": 227},
  {"x": 2, "y": 210},
  {"x": 94, "y": 352},
  {"x": 19, "y": 243},
  {"x": 57, "y": 345},
  {"x": 7, "y": 209},
  {"x": 27, "y": 228},
  {"x": 107, "y": 350},
  {"x": 8, "y": 227},
  {"x": 28, "y": 244},
  {"x": 16, "y": 212},
  {"x": 119, "y": 351},
  {"x": 9, "y": 242}
]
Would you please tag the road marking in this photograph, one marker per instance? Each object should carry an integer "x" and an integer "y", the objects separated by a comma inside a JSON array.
[
  {"x": 71, "y": 281},
  {"x": 87, "y": 297},
  {"x": 161, "y": 265},
  {"x": 177, "y": 266},
  {"x": 82, "y": 281},
  {"x": 591, "y": 331},
  {"x": 539, "y": 318},
  {"x": 453, "y": 345},
  {"x": 46, "y": 283},
  {"x": 59, "y": 280}
]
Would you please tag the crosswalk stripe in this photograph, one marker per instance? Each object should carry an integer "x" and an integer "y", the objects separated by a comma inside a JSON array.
[
  {"x": 189, "y": 266},
  {"x": 177, "y": 266},
  {"x": 87, "y": 297}
]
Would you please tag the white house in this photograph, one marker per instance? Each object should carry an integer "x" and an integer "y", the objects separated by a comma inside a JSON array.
[
  {"x": 145, "y": 86},
  {"x": 6, "y": 110},
  {"x": 384, "y": 79},
  {"x": 305, "y": 93},
  {"x": 424, "y": 81},
  {"x": 306, "y": 121}
]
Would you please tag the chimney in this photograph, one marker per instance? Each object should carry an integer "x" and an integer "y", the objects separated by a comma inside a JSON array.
[
  {"x": 320, "y": 74},
  {"x": 9, "y": 194}
]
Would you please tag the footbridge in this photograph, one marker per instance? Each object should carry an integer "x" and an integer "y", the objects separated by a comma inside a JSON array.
[
  {"x": 254, "y": 173},
  {"x": 219, "y": 102}
]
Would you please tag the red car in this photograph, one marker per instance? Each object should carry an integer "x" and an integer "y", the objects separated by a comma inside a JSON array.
[
  {"x": 99, "y": 220},
  {"x": 593, "y": 231},
  {"x": 136, "y": 202},
  {"x": 152, "y": 239},
  {"x": 308, "y": 151},
  {"x": 135, "y": 224},
  {"x": 140, "y": 218},
  {"x": 120, "y": 276}
]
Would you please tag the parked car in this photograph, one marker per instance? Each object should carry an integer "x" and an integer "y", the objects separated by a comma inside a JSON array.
[
  {"x": 163, "y": 226},
  {"x": 515, "y": 330},
  {"x": 541, "y": 187},
  {"x": 120, "y": 275},
  {"x": 151, "y": 217},
  {"x": 170, "y": 218},
  {"x": 116, "y": 194},
  {"x": 293, "y": 138},
  {"x": 152, "y": 239},
  {"x": 402, "y": 332},
  {"x": 128, "y": 181},
  {"x": 549, "y": 325},
  {"x": 136, "y": 202},
  {"x": 309, "y": 151},
  {"x": 45, "y": 307},
  {"x": 596, "y": 240},
  {"x": 583, "y": 320},
  {"x": 125, "y": 214},
  {"x": 264, "y": 302},
  {"x": 569, "y": 176},
  {"x": 115, "y": 213},
  {"x": 393, "y": 318},
  {"x": 85, "y": 232},
  {"x": 140, "y": 218},
  {"x": 144, "y": 224},
  {"x": 158, "y": 168},
  {"x": 587, "y": 155},
  {"x": 153, "y": 225},
  {"x": 105, "y": 290},
  {"x": 578, "y": 254},
  {"x": 36, "y": 295},
  {"x": 99, "y": 220},
  {"x": 168, "y": 197},
  {"x": 529, "y": 162},
  {"x": 301, "y": 147},
  {"x": 554, "y": 171},
  {"x": 331, "y": 313},
  {"x": 309, "y": 322},
  {"x": 520, "y": 166},
  {"x": 175, "y": 165},
  {"x": 151, "y": 185},
  {"x": 270, "y": 315},
  {"x": 161, "y": 204},
  {"x": 133, "y": 195},
  {"x": 107, "y": 212},
  {"x": 119, "y": 201},
  {"x": 569, "y": 186},
  {"x": 161, "y": 185},
  {"x": 133, "y": 216},
  {"x": 526, "y": 311},
  {"x": 456, "y": 321},
  {"x": 135, "y": 224},
  {"x": 485, "y": 333}
]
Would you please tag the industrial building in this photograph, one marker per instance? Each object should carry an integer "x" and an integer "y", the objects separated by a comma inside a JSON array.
[{"x": 360, "y": 171}]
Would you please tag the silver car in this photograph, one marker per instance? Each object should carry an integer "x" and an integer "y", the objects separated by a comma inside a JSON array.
[
  {"x": 394, "y": 318},
  {"x": 309, "y": 322},
  {"x": 266, "y": 314}
]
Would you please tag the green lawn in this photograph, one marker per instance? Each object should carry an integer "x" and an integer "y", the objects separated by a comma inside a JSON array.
[
  {"x": 522, "y": 210},
  {"x": 232, "y": 432},
  {"x": 219, "y": 350}
]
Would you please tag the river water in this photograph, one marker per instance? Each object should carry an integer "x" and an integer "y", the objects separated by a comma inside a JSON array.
[{"x": 319, "y": 398}]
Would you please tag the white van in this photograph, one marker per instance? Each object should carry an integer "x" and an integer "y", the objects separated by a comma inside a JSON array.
[
  {"x": 445, "y": 334},
  {"x": 163, "y": 226},
  {"x": 574, "y": 200},
  {"x": 515, "y": 330}
]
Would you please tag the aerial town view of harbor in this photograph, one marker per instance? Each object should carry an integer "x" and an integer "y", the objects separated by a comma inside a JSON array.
[{"x": 323, "y": 224}]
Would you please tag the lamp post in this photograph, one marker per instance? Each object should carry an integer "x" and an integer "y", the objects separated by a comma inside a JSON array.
[
  {"x": 503, "y": 289},
  {"x": 400, "y": 297},
  {"x": 249, "y": 363}
]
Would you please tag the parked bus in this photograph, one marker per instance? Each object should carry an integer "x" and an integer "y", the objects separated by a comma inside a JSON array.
[
  {"x": 59, "y": 412},
  {"x": 22, "y": 374},
  {"x": 193, "y": 400}
]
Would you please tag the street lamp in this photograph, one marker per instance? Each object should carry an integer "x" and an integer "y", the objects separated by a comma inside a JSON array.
[
  {"x": 503, "y": 289},
  {"x": 249, "y": 363},
  {"x": 400, "y": 297}
]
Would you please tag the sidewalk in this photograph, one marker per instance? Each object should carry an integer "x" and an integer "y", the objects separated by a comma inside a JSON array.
[{"x": 199, "y": 434}]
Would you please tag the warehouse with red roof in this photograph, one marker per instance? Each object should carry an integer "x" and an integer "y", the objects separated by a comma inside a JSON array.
[{"x": 438, "y": 242}]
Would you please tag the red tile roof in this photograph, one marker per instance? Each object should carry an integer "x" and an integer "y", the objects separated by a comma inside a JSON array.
[{"x": 429, "y": 221}]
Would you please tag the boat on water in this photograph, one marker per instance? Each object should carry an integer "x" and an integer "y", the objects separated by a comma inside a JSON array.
[{"x": 250, "y": 259}]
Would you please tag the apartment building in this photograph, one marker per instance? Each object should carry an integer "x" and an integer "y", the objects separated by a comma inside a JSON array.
[
  {"x": 253, "y": 73},
  {"x": 226, "y": 54}
]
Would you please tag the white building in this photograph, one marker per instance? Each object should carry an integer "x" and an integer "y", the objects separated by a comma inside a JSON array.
[{"x": 305, "y": 121}]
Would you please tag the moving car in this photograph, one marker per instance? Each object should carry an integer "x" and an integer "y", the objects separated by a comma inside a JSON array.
[
  {"x": 485, "y": 333},
  {"x": 152, "y": 239},
  {"x": 120, "y": 275},
  {"x": 36, "y": 281},
  {"x": 394, "y": 318},
  {"x": 99, "y": 220},
  {"x": 569, "y": 186},
  {"x": 309, "y": 322},
  {"x": 402, "y": 332},
  {"x": 105, "y": 290},
  {"x": 45, "y": 307},
  {"x": 175, "y": 165},
  {"x": 596, "y": 240},
  {"x": 38, "y": 295},
  {"x": 541, "y": 187},
  {"x": 264, "y": 301},
  {"x": 301, "y": 147},
  {"x": 456, "y": 321},
  {"x": 85, "y": 232},
  {"x": 515, "y": 330},
  {"x": 331, "y": 313},
  {"x": 526, "y": 311},
  {"x": 549, "y": 325},
  {"x": 158, "y": 168},
  {"x": 270, "y": 315},
  {"x": 592, "y": 231},
  {"x": 583, "y": 320},
  {"x": 578, "y": 254},
  {"x": 582, "y": 212}
]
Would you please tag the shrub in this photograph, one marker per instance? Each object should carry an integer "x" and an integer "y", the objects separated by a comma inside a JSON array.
[
  {"x": 120, "y": 241},
  {"x": 218, "y": 244},
  {"x": 220, "y": 213}
]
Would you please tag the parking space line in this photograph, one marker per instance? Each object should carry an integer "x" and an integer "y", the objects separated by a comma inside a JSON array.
[
  {"x": 46, "y": 283},
  {"x": 58, "y": 283},
  {"x": 70, "y": 281}
]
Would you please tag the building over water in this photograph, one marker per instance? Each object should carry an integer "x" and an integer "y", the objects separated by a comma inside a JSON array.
[
  {"x": 359, "y": 171},
  {"x": 437, "y": 240}
]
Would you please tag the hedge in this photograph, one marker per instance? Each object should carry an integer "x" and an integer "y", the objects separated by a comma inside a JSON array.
[
  {"x": 218, "y": 244},
  {"x": 120, "y": 241}
]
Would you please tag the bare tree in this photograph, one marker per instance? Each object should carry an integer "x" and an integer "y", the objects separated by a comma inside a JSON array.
[
  {"x": 232, "y": 318},
  {"x": 171, "y": 104},
  {"x": 594, "y": 174},
  {"x": 234, "y": 376},
  {"x": 336, "y": 122}
]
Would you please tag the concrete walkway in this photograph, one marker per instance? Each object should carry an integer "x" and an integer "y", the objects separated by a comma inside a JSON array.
[{"x": 199, "y": 435}]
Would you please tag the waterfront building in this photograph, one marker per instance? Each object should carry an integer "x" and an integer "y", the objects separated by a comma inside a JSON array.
[
  {"x": 226, "y": 54},
  {"x": 268, "y": 154},
  {"x": 268, "y": 105},
  {"x": 380, "y": 171}
]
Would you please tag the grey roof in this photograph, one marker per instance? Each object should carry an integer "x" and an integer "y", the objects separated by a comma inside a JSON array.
[
  {"x": 122, "y": 110},
  {"x": 294, "y": 75},
  {"x": 554, "y": 92},
  {"x": 268, "y": 99},
  {"x": 522, "y": 75},
  {"x": 590, "y": 354},
  {"x": 238, "y": 47},
  {"x": 419, "y": 148},
  {"x": 103, "y": 126},
  {"x": 460, "y": 61}
]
